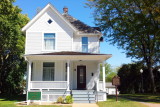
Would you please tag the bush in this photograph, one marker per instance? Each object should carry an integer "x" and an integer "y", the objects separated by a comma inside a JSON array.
[
  {"x": 69, "y": 99},
  {"x": 60, "y": 100}
]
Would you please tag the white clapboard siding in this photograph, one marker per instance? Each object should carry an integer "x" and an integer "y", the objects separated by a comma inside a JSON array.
[
  {"x": 35, "y": 34},
  {"x": 33, "y": 42},
  {"x": 93, "y": 44}
]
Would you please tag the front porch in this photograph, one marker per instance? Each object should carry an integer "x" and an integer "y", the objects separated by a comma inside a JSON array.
[{"x": 77, "y": 73}]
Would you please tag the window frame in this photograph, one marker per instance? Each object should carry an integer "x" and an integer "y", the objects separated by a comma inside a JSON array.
[
  {"x": 50, "y": 67},
  {"x": 84, "y": 44},
  {"x": 43, "y": 47}
]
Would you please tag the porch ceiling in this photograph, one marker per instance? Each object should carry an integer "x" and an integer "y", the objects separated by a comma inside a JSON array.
[{"x": 68, "y": 56}]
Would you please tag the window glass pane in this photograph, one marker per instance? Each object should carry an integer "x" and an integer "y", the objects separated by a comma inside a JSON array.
[
  {"x": 49, "y": 35},
  {"x": 84, "y": 48},
  {"x": 84, "y": 44},
  {"x": 49, "y": 41},
  {"x": 48, "y": 71},
  {"x": 81, "y": 75},
  {"x": 84, "y": 40},
  {"x": 48, "y": 64}
]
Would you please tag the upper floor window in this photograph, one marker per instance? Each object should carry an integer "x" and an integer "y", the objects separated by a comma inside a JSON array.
[
  {"x": 84, "y": 44},
  {"x": 49, "y": 41}
]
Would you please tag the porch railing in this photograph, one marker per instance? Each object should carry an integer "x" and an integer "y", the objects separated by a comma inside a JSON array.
[
  {"x": 100, "y": 85},
  {"x": 48, "y": 85}
]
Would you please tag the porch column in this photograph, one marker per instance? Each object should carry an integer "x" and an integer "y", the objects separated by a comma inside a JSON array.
[
  {"x": 68, "y": 78},
  {"x": 29, "y": 74},
  {"x": 98, "y": 77},
  {"x": 104, "y": 75}
]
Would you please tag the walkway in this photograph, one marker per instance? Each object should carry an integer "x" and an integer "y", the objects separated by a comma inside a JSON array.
[
  {"x": 84, "y": 105},
  {"x": 151, "y": 104}
]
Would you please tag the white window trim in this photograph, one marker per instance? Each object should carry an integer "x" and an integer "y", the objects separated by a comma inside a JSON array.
[
  {"x": 85, "y": 44},
  {"x": 43, "y": 50}
]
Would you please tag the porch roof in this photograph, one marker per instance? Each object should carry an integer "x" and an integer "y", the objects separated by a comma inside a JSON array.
[{"x": 68, "y": 55}]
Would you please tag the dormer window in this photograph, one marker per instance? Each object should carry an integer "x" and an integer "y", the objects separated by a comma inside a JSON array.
[
  {"x": 49, "y": 41},
  {"x": 50, "y": 21},
  {"x": 84, "y": 44}
]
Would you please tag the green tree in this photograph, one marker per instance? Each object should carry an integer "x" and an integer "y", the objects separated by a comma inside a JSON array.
[
  {"x": 132, "y": 25},
  {"x": 130, "y": 78},
  {"x": 108, "y": 71},
  {"x": 12, "y": 65}
]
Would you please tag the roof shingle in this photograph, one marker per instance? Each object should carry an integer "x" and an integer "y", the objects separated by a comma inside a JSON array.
[{"x": 79, "y": 25}]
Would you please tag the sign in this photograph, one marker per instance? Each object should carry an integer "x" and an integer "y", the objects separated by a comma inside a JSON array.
[
  {"x": 116, "y": 80},
  {"x": 34, "y": 95}
]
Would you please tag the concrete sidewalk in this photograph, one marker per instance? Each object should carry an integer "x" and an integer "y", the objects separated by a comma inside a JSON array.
[
  {"x": 84, "y": 105},
  {"x": 151, "y": 104}
]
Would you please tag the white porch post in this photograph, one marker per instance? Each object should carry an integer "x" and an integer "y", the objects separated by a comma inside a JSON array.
[
  {"x": 68, "y": 75},
  {"x": 98, "y": 77},
  {"x": 29, "y": 74},
  {"x": 104, "y": 75}
]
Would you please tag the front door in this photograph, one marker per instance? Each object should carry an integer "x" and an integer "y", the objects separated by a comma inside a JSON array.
[{"x": 81, "y": 77}]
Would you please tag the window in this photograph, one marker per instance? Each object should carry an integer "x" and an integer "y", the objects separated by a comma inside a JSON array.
[
  {"x": 48, "y": 71},
  {"x": 49, "y": 41},
  {"x": 84, "y": 44},
  {"x": 49, "y": 21}
]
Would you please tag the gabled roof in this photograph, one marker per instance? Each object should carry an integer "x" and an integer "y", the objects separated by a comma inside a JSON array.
[
  {"x": 79, "y": 25},
  {"x": 42, "y": 12},
  {"x": 73, "y": 23}
]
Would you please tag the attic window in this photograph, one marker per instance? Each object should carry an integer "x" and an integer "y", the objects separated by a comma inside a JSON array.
[{"x": 49, "y": 21}]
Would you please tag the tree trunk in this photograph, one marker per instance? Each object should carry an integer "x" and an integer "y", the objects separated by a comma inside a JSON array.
[{"x": 153, "y": 88}]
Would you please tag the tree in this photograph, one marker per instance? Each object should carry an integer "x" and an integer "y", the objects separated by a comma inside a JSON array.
[
  {"x": 132, "y": 25},
  {"x": 12, "y": 65},
  {"x": 108, "y": 71}
]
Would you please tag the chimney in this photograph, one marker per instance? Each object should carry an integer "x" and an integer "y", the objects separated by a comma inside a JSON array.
[{"x": 65, "y": 10}]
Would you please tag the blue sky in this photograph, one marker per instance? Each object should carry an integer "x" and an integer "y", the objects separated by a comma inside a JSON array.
[{"x": 76, "y": 9}]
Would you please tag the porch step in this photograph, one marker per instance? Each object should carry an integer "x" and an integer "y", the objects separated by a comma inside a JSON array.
[
  {"x": 83, "y": 96},
  {"x": 82, "y": 92}
]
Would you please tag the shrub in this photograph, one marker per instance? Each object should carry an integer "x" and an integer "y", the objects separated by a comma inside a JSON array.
[
  {"x": 60, "y": 100},
  {"x": 69, "y": 99}
]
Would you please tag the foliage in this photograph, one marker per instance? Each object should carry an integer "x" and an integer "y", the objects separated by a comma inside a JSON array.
[
  {"x": 60, "y": 100},
  {"x": 109, "y": 72},
  {"x": 12, "y": 65},
  {"x": 132, "y": 25},
  {"x": 111, "y": 102},
  {"x": 131, "y": 79},
  {"x": 69, "y": 100}
]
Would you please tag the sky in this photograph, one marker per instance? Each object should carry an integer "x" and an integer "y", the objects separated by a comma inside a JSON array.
[{"x": 77, "y": 9}]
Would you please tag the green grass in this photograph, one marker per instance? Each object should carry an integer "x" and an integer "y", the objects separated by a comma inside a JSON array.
[
  {"x": 10, "y": 102},
  {"x": 150, "y": 98},
  {"x": 111, "y": 102}
]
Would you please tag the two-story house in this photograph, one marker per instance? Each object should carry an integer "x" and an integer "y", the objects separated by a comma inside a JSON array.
[{"x": 63, "y": 57}]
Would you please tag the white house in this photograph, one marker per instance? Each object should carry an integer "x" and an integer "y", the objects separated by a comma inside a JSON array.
[
  {"x": 111, "y": 89},
  {"x": 63, "y": 57}
]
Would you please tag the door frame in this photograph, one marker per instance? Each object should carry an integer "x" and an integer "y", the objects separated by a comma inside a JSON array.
[{"x": 79, "y": 76}]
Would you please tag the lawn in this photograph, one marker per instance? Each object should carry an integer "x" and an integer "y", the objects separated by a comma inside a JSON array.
[
  {"x": 150, "y": 98},
  {"x": 121, "y": 103},
  {"x": 10, "y": 102}
]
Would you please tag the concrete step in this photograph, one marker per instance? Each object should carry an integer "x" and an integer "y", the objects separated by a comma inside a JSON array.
[
  {"x": 83, "y": 99},
  {"x": 84, "y": 95},
  {"x": 82, "y": 91}
]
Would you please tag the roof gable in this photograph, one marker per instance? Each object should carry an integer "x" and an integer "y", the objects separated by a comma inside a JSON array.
[{"x": 28, "y": 25}]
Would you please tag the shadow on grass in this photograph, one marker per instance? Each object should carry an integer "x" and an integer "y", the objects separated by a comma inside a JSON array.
[
  {"x": 4, "y": 97},
  {"x": 142, "y": 98}
]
